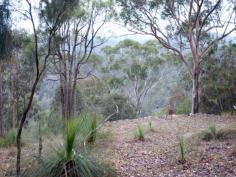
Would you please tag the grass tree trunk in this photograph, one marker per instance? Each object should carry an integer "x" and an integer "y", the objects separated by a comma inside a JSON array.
[{"x": 195, "y": 90}]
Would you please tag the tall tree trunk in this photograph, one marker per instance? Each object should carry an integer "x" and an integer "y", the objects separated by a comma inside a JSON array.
[
  {"x": 22, "y": 121},
  {"x": 195, "y": 90},
  {"x": 13, "y": 98},
  {"x": 1, "y": 104},
  {"x": 62, "y": 98}
]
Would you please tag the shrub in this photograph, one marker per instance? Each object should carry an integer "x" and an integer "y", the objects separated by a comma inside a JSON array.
[
  {"x": 209, "y": 133},
  {"x": 160, "y": 112},
  {"x": 126, "y": 108},
  {"x": 67, "y": 160},
  {"x": 181, "y": 148},
  {"x": 93, "y": 130},
  {"x": 139, "y": 133},
  {"x": 9, "y": 139},
  {"x": 227, "y": 132},
  {"x": 212, "y": 133},
  {"x": 184, "y": 107}
]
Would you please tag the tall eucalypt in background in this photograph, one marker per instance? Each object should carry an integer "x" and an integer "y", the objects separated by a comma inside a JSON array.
[
  {"x": 49, "y": 28},
  {"x": 182, "y": 26},
  {"x": 73, "y": 44},
  {"x": 132, "y": 69}
]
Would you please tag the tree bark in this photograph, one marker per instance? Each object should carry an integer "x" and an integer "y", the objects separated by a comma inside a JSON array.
[
  {"x": 13, "y": 97},
  {"x": 1, "y": 104},
  {"x": 195, "y": 90}
]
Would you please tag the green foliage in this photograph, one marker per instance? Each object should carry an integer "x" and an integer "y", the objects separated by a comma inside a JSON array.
[
  {"x": 67, "y": 160},
  {"x": 93, "y": 130},
  {"x": 55, "y": 106},
  {"x": 139, "y": 133},
  {"x": 160, "y": 112},
  {"x": 9, "y": 139},
  {"x": 73, "y": 127},
  {"x": 51, "y": 10},
  {"x": 184, "y": 107},
  {"x": 93, "y": 127},
  {"x": 5, "y": 31},
  {"x": 109, "y": 103},
  {"x": 227, "y": 132},
  {"x": 218, "y": 80},
  {"x": 131, "y": 67},
  {"x": 209, "y": 133},
  {"x": 181, "y": 148}
]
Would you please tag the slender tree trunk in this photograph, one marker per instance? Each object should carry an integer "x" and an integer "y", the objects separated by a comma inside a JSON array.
[
  {"x": 62, "y": 98},
  {"x": 1, "y": 104},
  {"x": 195, "y": 90},
  {"x": 40, "y": 148},
  {"x": 13, "y": 98},
  {"x": 22, "y": 121}
]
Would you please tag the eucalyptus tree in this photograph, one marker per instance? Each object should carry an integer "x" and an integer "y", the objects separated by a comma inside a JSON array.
[
  {"x": 74, "y": 43},
  {"x": 132, "y": 69},
  {"x": 182, "y": 26}
]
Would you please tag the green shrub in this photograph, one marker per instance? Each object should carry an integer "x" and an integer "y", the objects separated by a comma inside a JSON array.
[
  {"x": 105, "y": 134},
  {"x": 93, "y": 130},
  {"x": 126, "y": 108},
  {"x": 184, "y": 107},
  {"x": 209, "y": 133},
  {"x": 67, "y": 160},
  {"x": 139, "y": 133},
  {"x": 160, "y": 112},
  {"x": 227, "y": 132},
  {"x": 9, "y": 139},
  {"x": 181, "y": 148}
]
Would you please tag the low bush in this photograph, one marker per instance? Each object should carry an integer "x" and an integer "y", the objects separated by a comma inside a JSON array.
[
  {"x": 139, "y": 133},
  {"x": 227, "y": 132},
  {"x": 9, "y": 139},
  {"x": 126, "y": 108},
  {"x": 213, "y": 133},
  {"x": 209, "y": 133},
  {"x": 160, "y": 112},
  {"x": 184, "y": 107}
]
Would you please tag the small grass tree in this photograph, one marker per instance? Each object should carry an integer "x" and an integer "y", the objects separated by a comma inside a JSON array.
[{"x": 69, "y": 160}]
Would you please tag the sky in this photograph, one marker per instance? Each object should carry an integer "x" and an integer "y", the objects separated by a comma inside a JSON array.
[{"x": 109, "y": 29}]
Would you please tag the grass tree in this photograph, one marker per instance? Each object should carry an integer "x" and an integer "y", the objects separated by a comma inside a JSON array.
[{"x": 68, "y": 159}]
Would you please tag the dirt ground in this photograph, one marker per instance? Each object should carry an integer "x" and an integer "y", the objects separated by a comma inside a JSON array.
[{"x": 158, "y": 154}]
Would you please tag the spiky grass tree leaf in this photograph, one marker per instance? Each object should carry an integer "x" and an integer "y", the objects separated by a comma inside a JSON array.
[
  {"x": 73, "y": 127},
  {"x": 64, "y": 160}
]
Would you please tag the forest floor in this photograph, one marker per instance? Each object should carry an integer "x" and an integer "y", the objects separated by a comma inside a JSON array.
[{"x": 158, "y": 154}]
